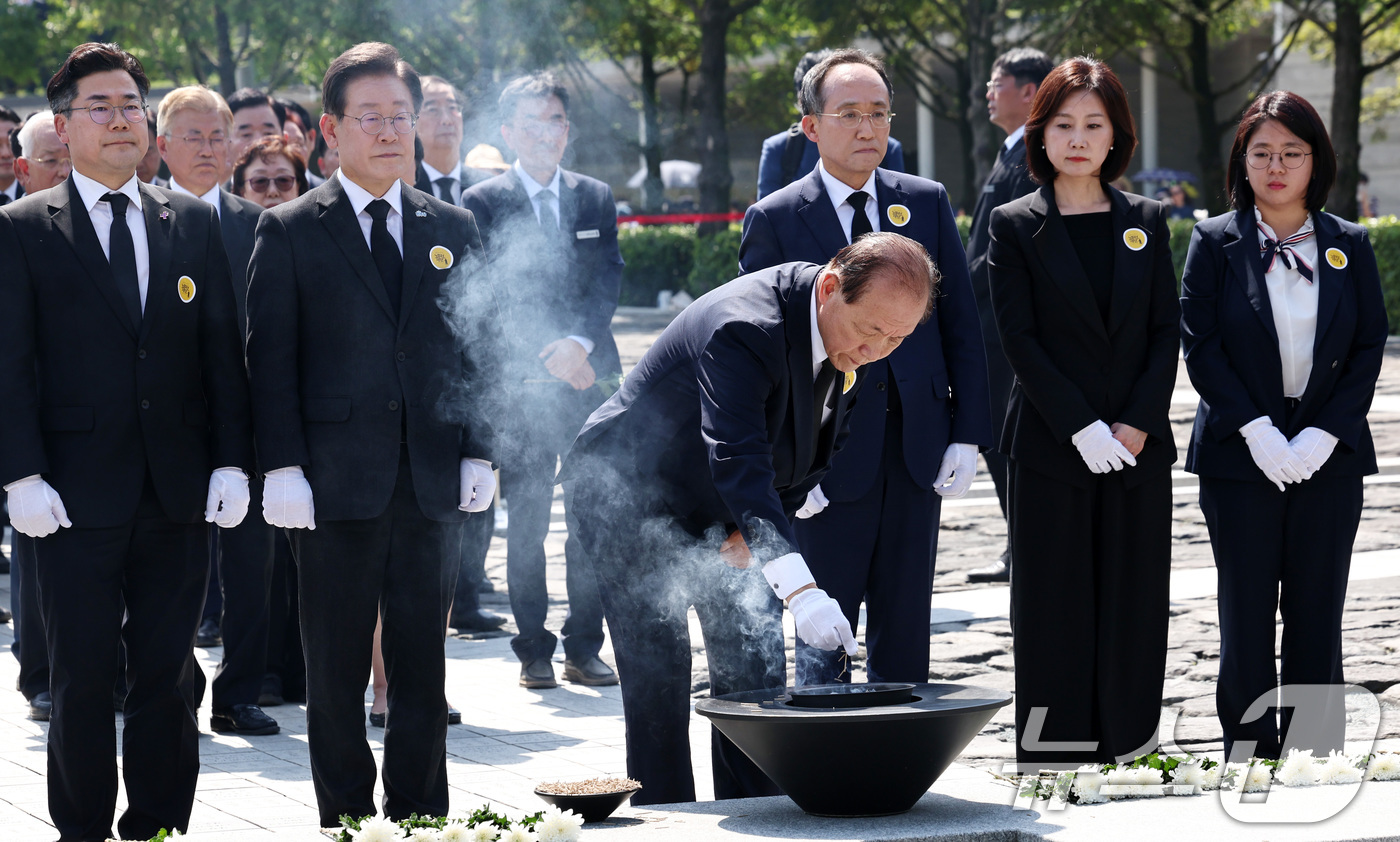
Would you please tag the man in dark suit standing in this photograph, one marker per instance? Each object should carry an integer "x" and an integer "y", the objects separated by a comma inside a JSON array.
[
  {"x": 1016, "y": 76},
  {"x": 139, "y": 433},
  {"x": 362, "y": 402},
  {"x": 556, "y": 269},
  {"x": 915, "y": 434},
  {"x": 683, "y": 485},
  {"x": 195, "y": 124},
  {"x": 10, "y": 186}
]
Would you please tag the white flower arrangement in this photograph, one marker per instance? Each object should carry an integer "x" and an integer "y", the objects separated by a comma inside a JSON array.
[
  {"x": 1298, "y": 769},
  {"x": 1383, "y": 767},
  {"x": 548, "y": 825}
]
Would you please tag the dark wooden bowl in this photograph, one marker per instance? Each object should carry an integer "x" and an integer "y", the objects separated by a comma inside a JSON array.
[{"x": 594, "y": 807}]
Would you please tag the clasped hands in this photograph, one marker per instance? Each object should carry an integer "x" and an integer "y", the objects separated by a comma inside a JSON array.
[
  {"x": 37, "y": 510},
  {"x": 818, "y": 618},
  {"x": 567, "y": 360},
  {"x": 1104, "y": 448},
  {"x": 1284, "y": 461}
]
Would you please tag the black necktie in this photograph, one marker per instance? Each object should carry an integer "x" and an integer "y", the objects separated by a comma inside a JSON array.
[
  {"x": 4, "y": 199},
  {"x": 860, "y": 223},
  {"x": 121, "y": 256},
  {"x": 444, "y": 188},
  {"x": 820, "y": 391},
  {"x": 549, "y": 220},
  {"x": 386, "y": 252}
]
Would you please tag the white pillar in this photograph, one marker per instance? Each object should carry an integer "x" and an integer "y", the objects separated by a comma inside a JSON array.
[
  {"x": 1148, "y": 123},
  {"x": 925, "y": 130}
]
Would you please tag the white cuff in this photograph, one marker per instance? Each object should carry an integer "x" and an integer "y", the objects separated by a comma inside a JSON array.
[
  {"x": 238, "y": 471},
  {"x": 1256, "y": 426},
  {"x": 282, "y": 473},
  {"x": 25, "y": 481},
  {"x": 1074, "y": 439},
  {"x": 787, "y": 574},
  {"x": 587, "y": 343},
  {"x": 485, "y": 463}
]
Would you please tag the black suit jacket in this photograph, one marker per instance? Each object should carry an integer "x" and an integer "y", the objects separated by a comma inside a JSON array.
[
  {"x": 91, "y": 402},
  {"x": 1010, "y": 179},
  {"x": 1232, "y": 353},
  {"x": 333, "y": 372},
  {"x": 716, "y": 421},
  {"x": 1073, "y": 367},
  {"x": 940, "y": 370},
  {"x": 471, "y": 176},
  {"x": 238, "y": 220}
]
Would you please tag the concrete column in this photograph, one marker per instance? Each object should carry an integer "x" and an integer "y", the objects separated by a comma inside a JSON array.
[
  {"x": 1147, "y": 131},
  {"x": 925, "y": 130}
]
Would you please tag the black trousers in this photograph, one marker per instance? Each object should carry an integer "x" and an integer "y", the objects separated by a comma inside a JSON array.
[
  {"x": 879, "y": 549},
  {"x": 286, "y": 662},
  {"x": 245, "y": 578},
  {"x": 999, "y": 380},
  {"x": 471, "y": 562},
  {"x": 1289, "y": 553},
  {"x": 1089, "y": 610},
  {"x": 650, "y": 571},
  {"x": 154, "y": 569},
  {"x": 350, "y": 571},
  {"x": 30, "y": 648}
]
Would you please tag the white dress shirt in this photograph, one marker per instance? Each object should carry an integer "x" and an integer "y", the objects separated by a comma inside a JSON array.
[
  {"x": 100, "y": 212},
  {"x": 1293, "y": 300},
  {"x": 1013, "y": 138},
  {"x": 210, "y": 198},
  {"x": 13, "y": 190},
  {"x": 359, "y": 200},
  {"x": 455, "y": 175},
  {"x": 819, "y": 355},
  {"x": 839, "y": 192}
]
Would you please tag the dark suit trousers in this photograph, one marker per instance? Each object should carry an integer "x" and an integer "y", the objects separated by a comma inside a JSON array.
[
  {"x": 999, "y": 380},
  {"x": 30, "y": 646},
  {"x": 245, "y": 576},
  {"x": 1089, "y": 608},
  {"x": 350, "y": 571},
  {"x": 471, "y": 566},
  {"x": 1283, "y": 553},
  {"x": 649, "y": 572},
  {"x": 286, "y": 662},
  {"x": 156, "y": 569},
  {"x": 879, "y": 549}
]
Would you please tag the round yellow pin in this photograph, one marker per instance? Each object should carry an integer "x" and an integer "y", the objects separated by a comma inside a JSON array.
[
  {"x": 1336, "y": 258},
  {"x": 1135, "y": 238},
  {"x": 898, "y": 215},
  {"x": 849, "y": 382},
  {"x": 441, "y": 257},
  {"x": 186, "y": 288}
]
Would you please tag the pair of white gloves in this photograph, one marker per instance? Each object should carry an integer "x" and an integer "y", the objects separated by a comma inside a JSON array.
[
  {"x": 1284, "y": 461},
  {"x": 36, "y": 509},
  {"x": 954, "y": 478},
  {"x": 287, "y": 501},
  {"x": 819, "y": 620}
]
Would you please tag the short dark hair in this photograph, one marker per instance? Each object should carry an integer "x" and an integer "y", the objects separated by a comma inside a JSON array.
[
  {"x": 1028, "y": 66},
  {"x": 885, "y": 251},
  {"x": 372, "y": 58},
  {"x": 810, "y": 97},
  {"x": 85, "y": 60},
  {"x": 808, "y": 61},
  {"x": 1081, "y": 73},
  {"x": 292, "y": 108},
  {"x": 1298, "y": 116},
  {"x": 535, "y": 86},
  {"x": 8, "y": 115},
  {"x": 249, "y": 98},
  {"x": 267, "y": 149}
]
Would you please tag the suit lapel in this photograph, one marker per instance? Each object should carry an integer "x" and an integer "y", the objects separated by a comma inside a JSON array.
[
  {"x": 72, "y": 221},
  {"x": 1243, "y": 255},
  {"x": 1329, "y": 278},
  {"x": 338, "y": 215},
  {"x": 818, "y": 214},
  {"x": 887, "y": 193},
  {"x": 568, "y": 206},
  {"x": 1061, "y": 263},
  {"x": 419, "y": 224},
  {"x": 1130, "y": 267},
  {"x": 799, "y": 321},
  {"x": 160, "y": 228}
]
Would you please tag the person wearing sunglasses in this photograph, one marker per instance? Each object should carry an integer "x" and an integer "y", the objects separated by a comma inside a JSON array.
[{"x": 270, "y": 173}]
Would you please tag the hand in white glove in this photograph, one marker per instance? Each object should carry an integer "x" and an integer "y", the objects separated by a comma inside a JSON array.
[
  {"x": 1313, "y": 447},
  {"x": 1271, "y": 452},
  {"x": 816, "y": 501},
  {"x": 287, "y": 502},
  {"x": 958, "y": 468},
  {"x": 1100, "y": 450},
  {"x": 820, "y": 622},
  {"x": 35, "y": 508},
  {"x": 478, "y": 485},
  {"x": 227, "y": 503}
]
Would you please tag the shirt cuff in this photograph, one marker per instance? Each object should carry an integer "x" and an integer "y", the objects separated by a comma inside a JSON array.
[{"x": 584, "y": 341}]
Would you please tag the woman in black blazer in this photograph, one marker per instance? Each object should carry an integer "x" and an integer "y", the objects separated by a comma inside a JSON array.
[
  {"x": 1085, "y": 301},
  {"x": 1284, "y": 328}
]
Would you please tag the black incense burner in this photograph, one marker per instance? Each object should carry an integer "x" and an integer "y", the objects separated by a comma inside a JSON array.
[{"x": 854, "y": 749}]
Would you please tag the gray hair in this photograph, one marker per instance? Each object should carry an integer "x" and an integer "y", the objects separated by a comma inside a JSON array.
[{"x": 31, "y": 128}]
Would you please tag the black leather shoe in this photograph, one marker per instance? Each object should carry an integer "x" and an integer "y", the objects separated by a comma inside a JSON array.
[
  {"x": 208, "y": 634},
  {"x": 376, "y": 720},
  {"x": 997, "y": 571},
  {"x": 477, "y": 621},
  {"x": 537, "y": 674},
  {"x": 454, "y": 716},
  {"x": 41, "y": 707},
  {"x": 592, "y": 672},
  {"x": 247, "y": 720}
]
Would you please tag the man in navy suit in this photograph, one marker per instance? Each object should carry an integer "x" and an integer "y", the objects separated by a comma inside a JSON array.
[
  {"x": 683, "y": 484},
  {"x": 790, "y": 154},
  {"x": 1016, "y": 76},
  {"x": 551, "y": 236},
  {"x": 918, "y": 426},
  {"x": 119, "y": 447}
]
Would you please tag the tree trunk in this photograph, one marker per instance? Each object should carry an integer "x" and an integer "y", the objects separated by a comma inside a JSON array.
[
  {"x": 1208, "y": 125},
  {"x": 715, "y": 177},
  {"x": 1346, "y": 108},
  {"x": 653, "y": 188},
  {"x": 228, "y": 68},
  {"x": 975, "y": 130}
]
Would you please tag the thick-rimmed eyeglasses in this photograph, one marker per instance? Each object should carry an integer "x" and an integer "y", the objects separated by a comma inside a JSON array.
[
  {"x": 103, "y": 112},
  {"x": 850, "y": 118},
  {"x": 542, "y": 128},
  {"x": 284, "y": 183},
  {"x": 199, "y": 141},
  {"x": 1260, "y": 158},
  {"x": 372, "y": 122}
]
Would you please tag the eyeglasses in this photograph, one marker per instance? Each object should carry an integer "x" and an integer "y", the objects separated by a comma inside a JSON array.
[
  {"x": 452, "y": 109},
  {"x": 1260, "y": 158},
  {"x": 543, "y": 128},
  {"x": 214, "y": 143},
  {"x": 103, "y": 112},
  {"x": 850, "y": 118},
  {"x": 55, "y": 163},
  {"x": 373, "y": 123},
  {"x": 284, "y": 183}
]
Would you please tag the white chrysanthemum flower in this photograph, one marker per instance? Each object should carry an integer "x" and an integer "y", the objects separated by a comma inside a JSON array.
[
  {"x": 1298, "y": 769},
  {"x": 1086, "y": 785},
  {"x": 1232, "y": 778},
  {"x": 1148, "y": 776},
  {"x": 424, "y": 834},
  {"x": 377, "y": 829},
  {"x": 484, "y": 833},
  {"x": 1339, "y": 769},
  {"x": 558, "y": 825},
  {"x": 518, "y": 833},
  {"x": 1189, "y": 774},
  {"x": 1258, "y": 779},
  {"x": 455, "y": 831},
  {"x": 1384, "y": 767},
  {"x": 1210, "y": 778}
]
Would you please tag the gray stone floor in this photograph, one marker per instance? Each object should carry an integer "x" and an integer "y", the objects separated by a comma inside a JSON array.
[{"x": 259, "y": 788}]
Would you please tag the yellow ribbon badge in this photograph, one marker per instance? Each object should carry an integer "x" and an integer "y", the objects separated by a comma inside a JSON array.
[
  {"x": 898, "y": 215},
  {"x": 1336, "y": 258},
  {"x": 1135, "y": 238},
  {"x": 441, "y": 257},
  {"x": 849, "y": 382},
  {"x": 186, "y": 288}
]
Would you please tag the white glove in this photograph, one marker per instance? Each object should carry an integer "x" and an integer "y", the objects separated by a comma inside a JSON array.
[
  {"x": 227, "y": 503},
  {"x": 35, "y": 508},
  {"x": 956, "y": 473},
  {"x": 478, "y": 485},
  {"x": 816, "y": 501},
  {"x": 1271, "y": 452},
  {"x": 1100, "y": 450},
  {"x": 820, "y": 621},
  {"x": 287, "y": 502},
  {"x": 1313, "y": 446}
]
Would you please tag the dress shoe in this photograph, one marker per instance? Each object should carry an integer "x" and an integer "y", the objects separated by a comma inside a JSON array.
[
  {"x": 592, "y": 672},
  {"x": 5, "y": 616},
  {"x": 997, "y": 571},
  {"x": 208, "y": 634},
  {"x": 454, "y": 716},
  {"x": 477, "y": 621},
  {"x": 376, "y": 720},
  {"x": 41, "y": 706},
  {"x": 537, "y": 674},
  {"x": 247, "y": 720}
]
